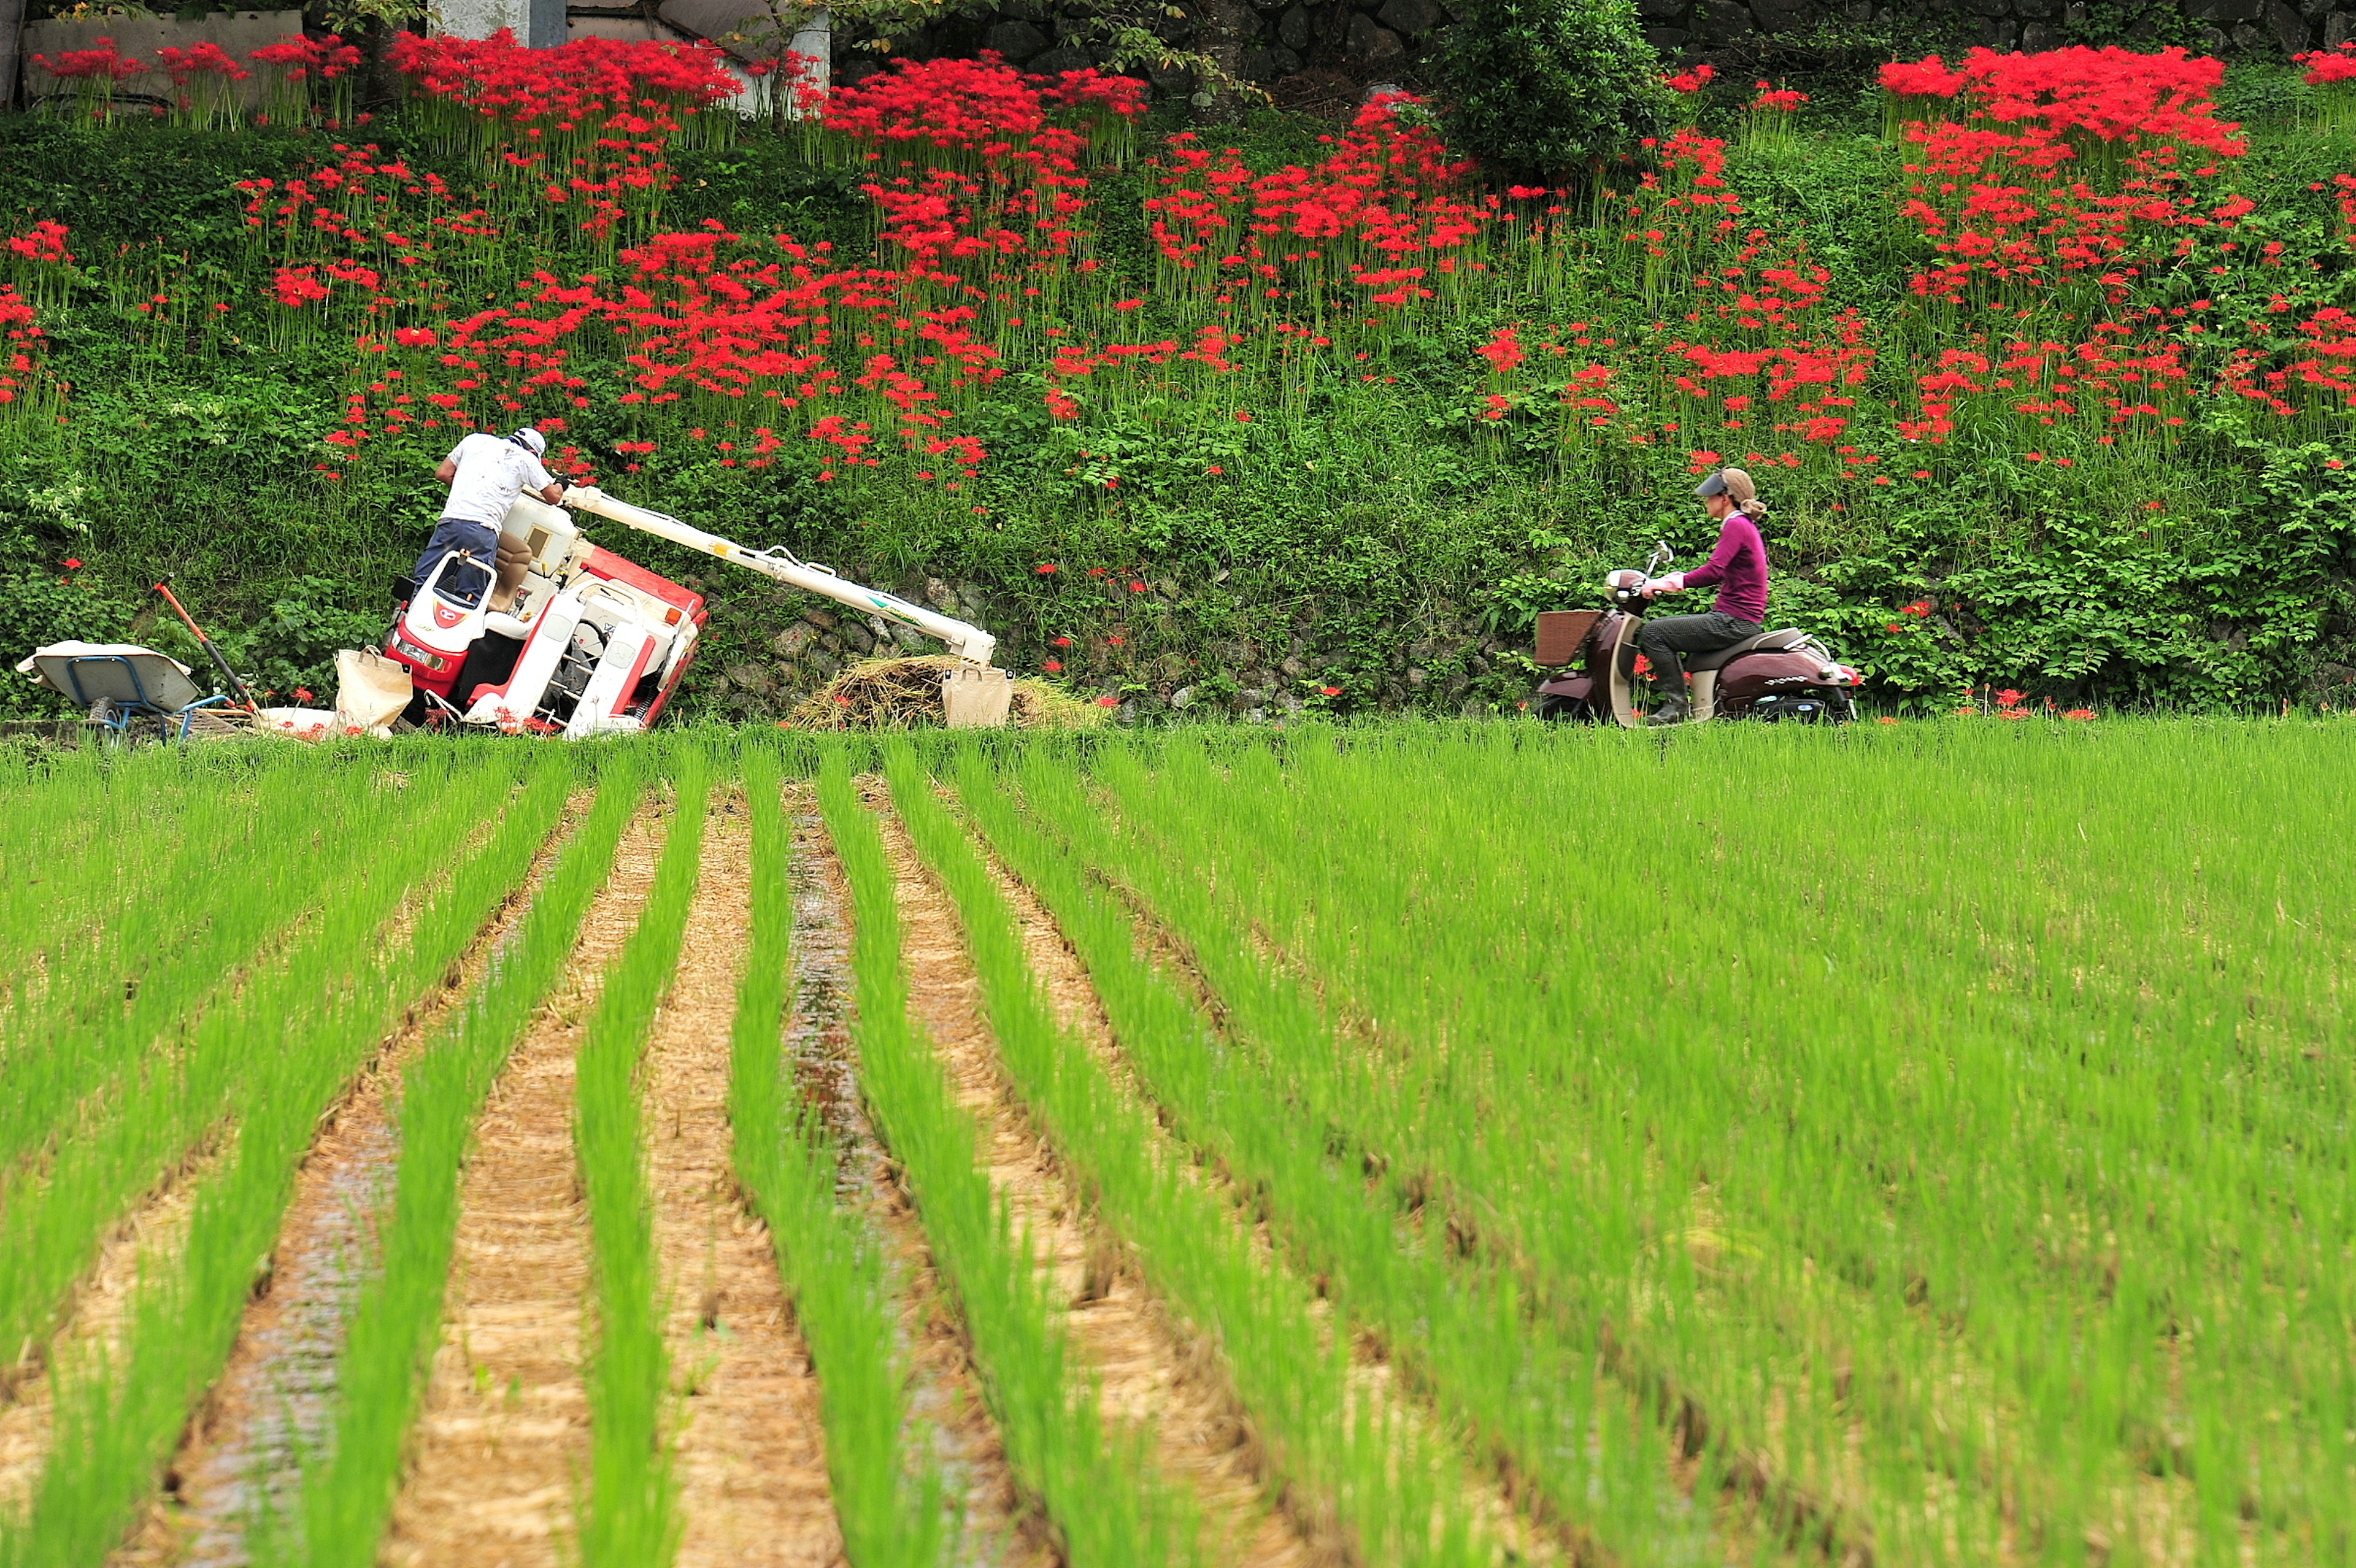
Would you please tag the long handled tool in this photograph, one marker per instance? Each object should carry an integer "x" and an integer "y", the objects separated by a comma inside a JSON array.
[{"x": 244, "y": 696}]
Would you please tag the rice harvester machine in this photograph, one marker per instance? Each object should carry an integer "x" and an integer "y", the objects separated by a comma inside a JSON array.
[{"x": 595, "y": 644}]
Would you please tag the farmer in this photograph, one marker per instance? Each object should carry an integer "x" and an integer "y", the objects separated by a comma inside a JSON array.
[
  {"x": 486, "y": 473},
  {"x": 1739, "y": 567}
]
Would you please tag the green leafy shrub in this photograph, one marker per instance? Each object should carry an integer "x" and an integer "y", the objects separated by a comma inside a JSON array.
[{"x": 1547, "y": 88}]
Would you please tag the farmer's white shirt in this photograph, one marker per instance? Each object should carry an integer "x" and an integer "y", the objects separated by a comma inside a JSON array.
[{"x": 492, "y": 472}]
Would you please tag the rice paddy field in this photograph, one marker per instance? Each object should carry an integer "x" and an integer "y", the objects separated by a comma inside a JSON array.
[{"x": 1411, "y": 1144}]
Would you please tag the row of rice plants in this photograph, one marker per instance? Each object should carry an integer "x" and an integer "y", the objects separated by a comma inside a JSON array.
[
  {"x": 1972, "y": 1160},
  {"x": 630, "y": 1518},
  {"x": 302, "y": 1033},
  {"x": 158, "y": 930},
  {"x": 888, "y": 1492},
  {"x": 1399, "y": 1500},
  {"x": 388, "y": 1358},
  {"x": 1096, "y": 1483},
  {"x": 158, "y": 1075},
  {"x": 1521, "y": 1388}
]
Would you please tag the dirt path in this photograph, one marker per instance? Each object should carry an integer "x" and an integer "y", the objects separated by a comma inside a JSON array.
[
  {"x": 752, "y": 1450},
  {"x": 971, "y": 1454},
  {"x": 502, "y": 1444},
  {"x": 1152, "y": 1369},
  {"x": 277, "y": 1393}
]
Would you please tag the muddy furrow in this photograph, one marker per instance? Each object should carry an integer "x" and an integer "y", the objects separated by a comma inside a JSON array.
[
  {"x": 1373, "y": 1378},
  {"x": 752, "y": 1449},
  {"x": 502, "y": 1443},
  {"x": 276, "y": 1398},
  {"x": 1151, "y": 1372},
  {"x": 970, "y": 1455}
]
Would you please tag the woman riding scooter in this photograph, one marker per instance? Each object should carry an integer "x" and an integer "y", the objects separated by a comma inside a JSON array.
[{"x": 1738, "y": 566}]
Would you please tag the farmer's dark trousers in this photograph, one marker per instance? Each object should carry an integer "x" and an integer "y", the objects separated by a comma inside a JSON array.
[
  {"x": 462, "y": 582},
  {"x": 1668, "y": 640}
]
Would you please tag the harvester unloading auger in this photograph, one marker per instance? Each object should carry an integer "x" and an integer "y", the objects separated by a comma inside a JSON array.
[{"x": 594, "y": 644}]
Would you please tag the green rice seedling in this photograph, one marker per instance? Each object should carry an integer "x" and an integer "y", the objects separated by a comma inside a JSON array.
[
  {"x": 1911, "y": 1151},
  {"x": 889, "y": 1497},
  {"x": 1520, "y": 1387},
  {"x": 1399, "y": 1499},
  {"x": 1095, "y": 1485},
  {"x": 302, "y": 1032},
  {"x": 152, "y": 1104},
  {"x": 629, "y": 1519},
  {"x": 348, "y": 1492},
  {"x": 124, "y": 957}
]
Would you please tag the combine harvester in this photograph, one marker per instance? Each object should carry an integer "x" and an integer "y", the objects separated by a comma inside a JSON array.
[{"x": 595, "y": 644}]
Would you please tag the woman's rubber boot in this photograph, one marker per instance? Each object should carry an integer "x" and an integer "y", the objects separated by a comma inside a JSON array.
[{"x": 1672, "y": 710}]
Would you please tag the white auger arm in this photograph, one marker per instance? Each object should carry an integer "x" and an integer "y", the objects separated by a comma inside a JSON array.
[{"x": 971, "y": 644}]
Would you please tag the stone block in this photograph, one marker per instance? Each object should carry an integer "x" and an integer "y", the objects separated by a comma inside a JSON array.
[
  {"x": 1015, "y": 40},
  {"x": 1858, "y": 11},
  {"x": 2289, "y": 29},
  {"x": 1296, "y": 29},
  {"x": 1670, "y": 41},
  {"x": 1409, "y": 18},
  {"x": 2037, "y": 36},
  {"x": 2247, "y": 36},
  {"x": 1780, "y": 16},
  {"x": 1372, "y": 42},
  {"x": 2003, "y": 35},
  {"x": 1722, "y": 23},
  {"x": 794, "y": 641},
  {"x": 1069, "y": 57},
  {"x": 2338, "y": 29},
  {"x": 1661, "y": 10},
  {"x": 2035, "y": 10},
  {"x": 1989, "y": 7},
  {"x": 2073, "y": 15},
  {"x": 1269, "y": 64},
  {"x": 2222, "y": 12}
]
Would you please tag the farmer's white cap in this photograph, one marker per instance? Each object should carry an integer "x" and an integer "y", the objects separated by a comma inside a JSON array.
[{"x": 532, "y": 441}]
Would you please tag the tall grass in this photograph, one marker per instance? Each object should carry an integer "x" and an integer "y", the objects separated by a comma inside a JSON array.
[
  {"x": 300, "y": 1034},
  {"x": 1096, "y": 1483},
  {"x": 348, "y": 1491},
  {"x": 888, "y": 1491}
]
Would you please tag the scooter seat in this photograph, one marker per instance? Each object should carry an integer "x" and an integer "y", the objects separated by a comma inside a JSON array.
[{"x": 1765, "y": 642}]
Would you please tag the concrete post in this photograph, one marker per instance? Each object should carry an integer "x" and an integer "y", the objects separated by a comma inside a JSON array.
[
  {"x": 536, "y": 24},
  {"x": 12, "y": 28}
]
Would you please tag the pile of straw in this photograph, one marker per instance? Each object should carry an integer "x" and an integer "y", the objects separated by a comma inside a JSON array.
[{"x": 905, "y": 694}]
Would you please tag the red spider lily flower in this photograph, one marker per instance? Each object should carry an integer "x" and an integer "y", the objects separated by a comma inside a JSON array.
[
  {"x": 1054, "y": 667},
  {"x": 2009, "y": 698},
  {"x": 1690, "y": 82},
  {"x": 1062, "y": 642},
  {"x": 1107, "y": 702},
  {"x": 302, "y": 694},
  {"x": 72, "y": 565},
  {"x": 1329, "y": 691},
  {"x": 2080, "y": 714},
  {"x": 1048, "y": 569},
  {"x": 1137, "y": 588},
  {"x": 1885, "y": 719},
  {"x": 1920, "y": 607}
]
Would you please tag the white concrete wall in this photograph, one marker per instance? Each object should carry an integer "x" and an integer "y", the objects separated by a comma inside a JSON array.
[{"x": 238, "y": 33}]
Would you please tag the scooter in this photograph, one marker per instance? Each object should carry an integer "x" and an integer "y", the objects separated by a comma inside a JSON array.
[{"x": 1776, "y": 676}]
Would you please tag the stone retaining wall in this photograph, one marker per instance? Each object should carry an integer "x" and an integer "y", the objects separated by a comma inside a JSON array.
[{"x": 1371, "y": 40}]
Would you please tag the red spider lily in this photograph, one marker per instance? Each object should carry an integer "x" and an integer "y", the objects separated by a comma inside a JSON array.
[
  {"x": 1771, "y": 101},
  {"x": 1052, "y": 667},
  {"x": 1690, "y": 82}
]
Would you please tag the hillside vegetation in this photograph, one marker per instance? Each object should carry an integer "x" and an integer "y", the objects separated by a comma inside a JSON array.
[{"x": 2042, "y": 369}]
